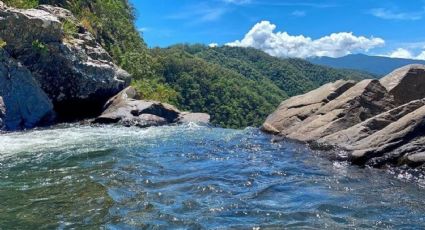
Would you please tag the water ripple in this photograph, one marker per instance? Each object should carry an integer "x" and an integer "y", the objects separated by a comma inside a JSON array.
[{"x": 192, "y": 177}]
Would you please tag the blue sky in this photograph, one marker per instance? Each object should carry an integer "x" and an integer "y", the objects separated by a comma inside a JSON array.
[{"x": 288, "y": 27}]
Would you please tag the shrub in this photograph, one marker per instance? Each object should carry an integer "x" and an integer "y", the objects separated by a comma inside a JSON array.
[
  {"x": 69, "y": 29},
  {"x": 153, "y": 90},
  {"x": 40, "y": 47},
  {"x": 25, "y": 4},
  {"x": 2, "y": 44}
]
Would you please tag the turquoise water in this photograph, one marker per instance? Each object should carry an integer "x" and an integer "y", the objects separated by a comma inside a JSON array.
[{"x": 191, "y": 177}]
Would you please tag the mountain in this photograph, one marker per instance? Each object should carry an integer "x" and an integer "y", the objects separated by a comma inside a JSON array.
[
  {"x": 237, "y": 86},
  {"x": 377, "y": 65}
]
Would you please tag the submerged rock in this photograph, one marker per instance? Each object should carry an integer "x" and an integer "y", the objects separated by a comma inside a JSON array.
[
  {"x": 375, "y": 122},
  {"x": 22, "y": 103},
  {"x": 125, "y": 109},
  {"x": 76, "y": 73}
]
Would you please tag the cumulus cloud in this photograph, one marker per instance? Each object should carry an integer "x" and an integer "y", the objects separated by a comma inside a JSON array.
[
  {"x": 281, "y": 44},
  {"x": 401, "y": 53},
  {"x": 404, "y": 53}
]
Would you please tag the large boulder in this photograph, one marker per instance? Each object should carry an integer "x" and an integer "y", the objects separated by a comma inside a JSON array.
[
  {"x": 76, "y": 73},
  {"x": 293, "y": 111},
  {"x": 374, "y": 122},
  {"x": 395, "y": 139},
  {"x": 22, "y": 102},
  {"x": 126, "y": 109},
  {"x": 406, "y": 84},
  {"x": 131, "y": 112},
  {"x": 348, "y": 137},
  {"x": 325, "y": 114}
]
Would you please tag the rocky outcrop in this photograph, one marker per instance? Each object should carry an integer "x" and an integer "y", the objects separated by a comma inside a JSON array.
[
  {"x": 22, "y": 102},
  {"x": 75, "y": 72},
  {"x": 363, "y": 130},
  {"x": 125, "y": 109},
  {"x": 326, "y": 114},
  {"x": 376, "y": 122},
  {"x": 391, "y": 140},
  {"x": 406, "y": 84},
  {"x": 293, "y": 111}
]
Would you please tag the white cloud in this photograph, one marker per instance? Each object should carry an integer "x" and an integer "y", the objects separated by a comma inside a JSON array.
[
  {"x": 299, "y": 13},
  {"x": 213, "y": 45},
  {"x": 392, "y": 15},
  {"x": 401, "y": 53},
  {"x": 203, "y": 12},
  {"x": 282, "y": 44},
  {"x": 238, "y": 2},
  {"x": 407, "y": 54},
  {"x": 143, "y": 29}
]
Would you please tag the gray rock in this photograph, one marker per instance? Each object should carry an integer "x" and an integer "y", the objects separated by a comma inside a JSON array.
[
  {"x": 121, "y": 98},
  {"x": 2, "y": 111},
  {"x": 76, "y": 73},
  {"x": 144, "y": 121},
  {"x": 199, "y": 118},
  {"x": 296, "y": 109},
  {"x": 398, "y": 138},
  {"x": 406, "y": 84},
  {"x": 415, "y": 159},
  {"x": 360, "y": 102},
  {"x": 125, "y": 110},
  {"x": 373, "y": 126},
  {"x": 23, "y": 104},
  {"x": 345, "y": 138}
]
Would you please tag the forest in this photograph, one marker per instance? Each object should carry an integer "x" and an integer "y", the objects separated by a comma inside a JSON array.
[{"x": 238, "y": 87}]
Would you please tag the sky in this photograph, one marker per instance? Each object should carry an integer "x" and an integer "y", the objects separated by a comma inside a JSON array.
[{"x": 289, "y": 28}]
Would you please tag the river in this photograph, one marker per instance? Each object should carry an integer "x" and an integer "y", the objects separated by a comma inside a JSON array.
[{"x": 191, "y": 177}]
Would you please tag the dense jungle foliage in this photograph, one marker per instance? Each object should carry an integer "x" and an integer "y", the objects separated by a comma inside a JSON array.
[{"x": 239, "y": 87}]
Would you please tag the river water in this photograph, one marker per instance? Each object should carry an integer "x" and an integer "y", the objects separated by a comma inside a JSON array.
[{"x": 191, "y": 177}]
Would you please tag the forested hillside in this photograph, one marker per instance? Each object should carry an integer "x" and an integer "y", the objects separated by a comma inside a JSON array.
[
  {"x": 239, "y": 87},
  {"x": 232, "y": 99}
]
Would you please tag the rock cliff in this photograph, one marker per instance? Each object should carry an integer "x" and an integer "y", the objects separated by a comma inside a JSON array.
[
  {"x": 23, "y": 104},
  {"x": 52, "y": 67},
  {"x": 75, "y": 72},
  {"x": 376, "y": 122}
]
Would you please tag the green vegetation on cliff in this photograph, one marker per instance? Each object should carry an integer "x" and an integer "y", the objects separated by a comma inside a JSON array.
[
  {"x": 112, "y": 24},
  {"x": 238, "y": 87}
]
